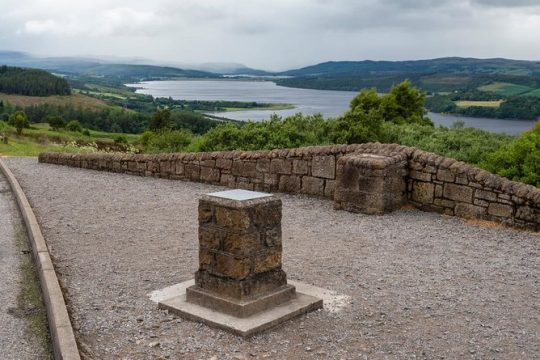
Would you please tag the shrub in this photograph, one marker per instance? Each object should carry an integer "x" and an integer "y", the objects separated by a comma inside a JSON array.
[
  {"x": 74, "y": 125},
  {"x": 120, "y": 139},
  {"x": 169, "y": 141},
  {"x": 3, "y": 126},
  {"x": 19, "y": 120},
  {"x": 55, "y": 121},
  {"x": 518, "y": 160},
  {"x": 86, "y": 132}
]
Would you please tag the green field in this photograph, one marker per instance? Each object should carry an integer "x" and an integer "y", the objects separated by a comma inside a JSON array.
[
  {"x": 535, "y": 93},
  {"x": 40, "y": 138},
  {"x": 506, "y": 89},
  {"x": 469, "y": 103}
]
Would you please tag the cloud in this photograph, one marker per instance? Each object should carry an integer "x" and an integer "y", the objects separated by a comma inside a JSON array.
[
  {"x": 111, "y": 22},
  {"x": 507, "y": 3},
  {"x": 273, "y": 34}
]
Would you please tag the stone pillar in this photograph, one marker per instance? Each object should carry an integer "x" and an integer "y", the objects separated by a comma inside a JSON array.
[
  {"x": 240, "y": 254},
  {"x": 369, "y": 183}
]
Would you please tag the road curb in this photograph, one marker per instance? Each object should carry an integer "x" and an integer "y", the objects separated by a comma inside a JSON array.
[{"x": 63, "y": 338}]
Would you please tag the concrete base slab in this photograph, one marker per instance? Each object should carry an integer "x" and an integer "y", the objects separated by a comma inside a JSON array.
[{"x": 307, "y": 299}]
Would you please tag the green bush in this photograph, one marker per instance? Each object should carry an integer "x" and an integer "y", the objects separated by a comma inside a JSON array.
[
  {"x": 293, "y": 131},
  {"x": 121, "y": 139},
  {"x": 55, "y": 121},
  {"x": 4, "y": 126},
  {"x": 74, "y": 125},
  {"x": 464, "y": 144},
  {"x": 518, "y": 160},
  {"x": 168, "y": 141},
  {"x": 19, "y": 121}
]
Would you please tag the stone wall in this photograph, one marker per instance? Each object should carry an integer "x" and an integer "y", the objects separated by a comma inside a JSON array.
[{"x": 434, "y": 183}]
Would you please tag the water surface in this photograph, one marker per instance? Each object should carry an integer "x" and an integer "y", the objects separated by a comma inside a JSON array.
[{"x": 327, "y": 102}]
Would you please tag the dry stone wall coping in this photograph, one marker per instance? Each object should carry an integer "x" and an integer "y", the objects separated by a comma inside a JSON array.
[{"x": 433, "y": 182}]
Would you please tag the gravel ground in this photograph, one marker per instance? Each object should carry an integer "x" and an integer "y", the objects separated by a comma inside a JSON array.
[
  {"x": 16, "y": 341},
  {"x": 421, "y": 285}
]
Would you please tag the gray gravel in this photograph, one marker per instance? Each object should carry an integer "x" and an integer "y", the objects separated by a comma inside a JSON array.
[
  {"x": 16, "y": 340},
  {"x": 421, "y": 284}
]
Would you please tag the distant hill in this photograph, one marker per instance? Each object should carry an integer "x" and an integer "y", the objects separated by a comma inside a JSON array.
[
  {"x": 450, "y": 65},
  {"x": 31, "y": 82},
  {"x": 228, "y": 69},
  {"x": 96, "y": 67}
]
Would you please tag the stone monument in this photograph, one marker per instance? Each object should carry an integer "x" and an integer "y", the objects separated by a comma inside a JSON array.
[{"x": 240, "y": 285}]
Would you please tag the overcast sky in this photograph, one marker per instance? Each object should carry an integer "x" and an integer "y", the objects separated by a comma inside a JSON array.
[{"x": 273, "y": 34}]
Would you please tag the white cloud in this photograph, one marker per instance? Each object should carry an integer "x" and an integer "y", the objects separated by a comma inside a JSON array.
[{"x": 273, "y": 34}]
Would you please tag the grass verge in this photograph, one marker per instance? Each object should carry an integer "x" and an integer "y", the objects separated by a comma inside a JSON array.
[{"x": 30, "y": 299}]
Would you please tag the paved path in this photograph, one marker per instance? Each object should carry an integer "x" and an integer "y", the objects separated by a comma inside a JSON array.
[
  {"x": 16, "y": 341},
  {"x": 415, "y": 284}
]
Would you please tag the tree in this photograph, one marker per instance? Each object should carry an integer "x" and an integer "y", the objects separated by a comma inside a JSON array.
[
  {"x": 161, "y": 120},
  {"x": 19, "y": 120},
  {"x": 74, "y": 125},
  {"x": 55, "y": 121},
  {"x": 403, "y": 105}
]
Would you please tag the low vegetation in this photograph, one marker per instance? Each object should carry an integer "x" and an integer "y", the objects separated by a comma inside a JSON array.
[{"x": 169, "y": 125}]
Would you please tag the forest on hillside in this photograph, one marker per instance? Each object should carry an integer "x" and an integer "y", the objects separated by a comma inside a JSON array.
[{"x": 31, "y": 82}]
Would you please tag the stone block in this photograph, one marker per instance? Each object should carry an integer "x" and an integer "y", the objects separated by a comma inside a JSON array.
[
  {"x": 371, "y": 184},
  {"x": 500, "y": 210},
  {"x": 300, "y": 167},
  {"x": 206, "y": 212},
  {"x": 229, "y": 266},
  {"x": 485, "y": 195},
  {"x": 290, "y": 184},
  {"x": 179, "y": 168},
  {"x": 243, "y": 243},
  {"x": 420, "y": 175},
  {"x": 165, "y": 168},
  {"x": 438, "y": 191},
  {"x": 222, "y": 163},
  {"x": 528, "y": 213},
  {"x": 312, "y": 185},
  {"x": 210, "y": 175},
  {"x": 192, "y": 171},
  {"x": 208, "y": 163},
  {"x": 458, "y": 193},
  {"x": 227, "y": 180},
  {"x": 324, "y": 166},
  {"x": 250, "y": 169},
  {"x": 210, "y": 238},
  {"x": 462, "y": 179},
  {"x": 329, "y": 188},
  {"x": 132, "y": 166},
  {"x": 281, "y": 166},
  {"x": 446, "y": 176},
  {"x": 268, "y": 261},
  {"x": 469, "y": 211},
  {"x": 234, "y": 219},
  {"x": 206, "y": 259},
  {"x": 263, "y": 165},
  {"x": 422, "y": 192}
]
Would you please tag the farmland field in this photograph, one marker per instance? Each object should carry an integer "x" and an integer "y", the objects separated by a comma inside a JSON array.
[
  {"x": 469, "y": 103},
  {"x": 506, "y": 89}
]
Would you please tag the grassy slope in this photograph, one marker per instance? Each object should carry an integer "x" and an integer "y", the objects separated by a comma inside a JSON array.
[
  {"x": 40, "y": 138},
  {"x": 506, "y": 89},
  {"x": 76, "y": 100}
]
